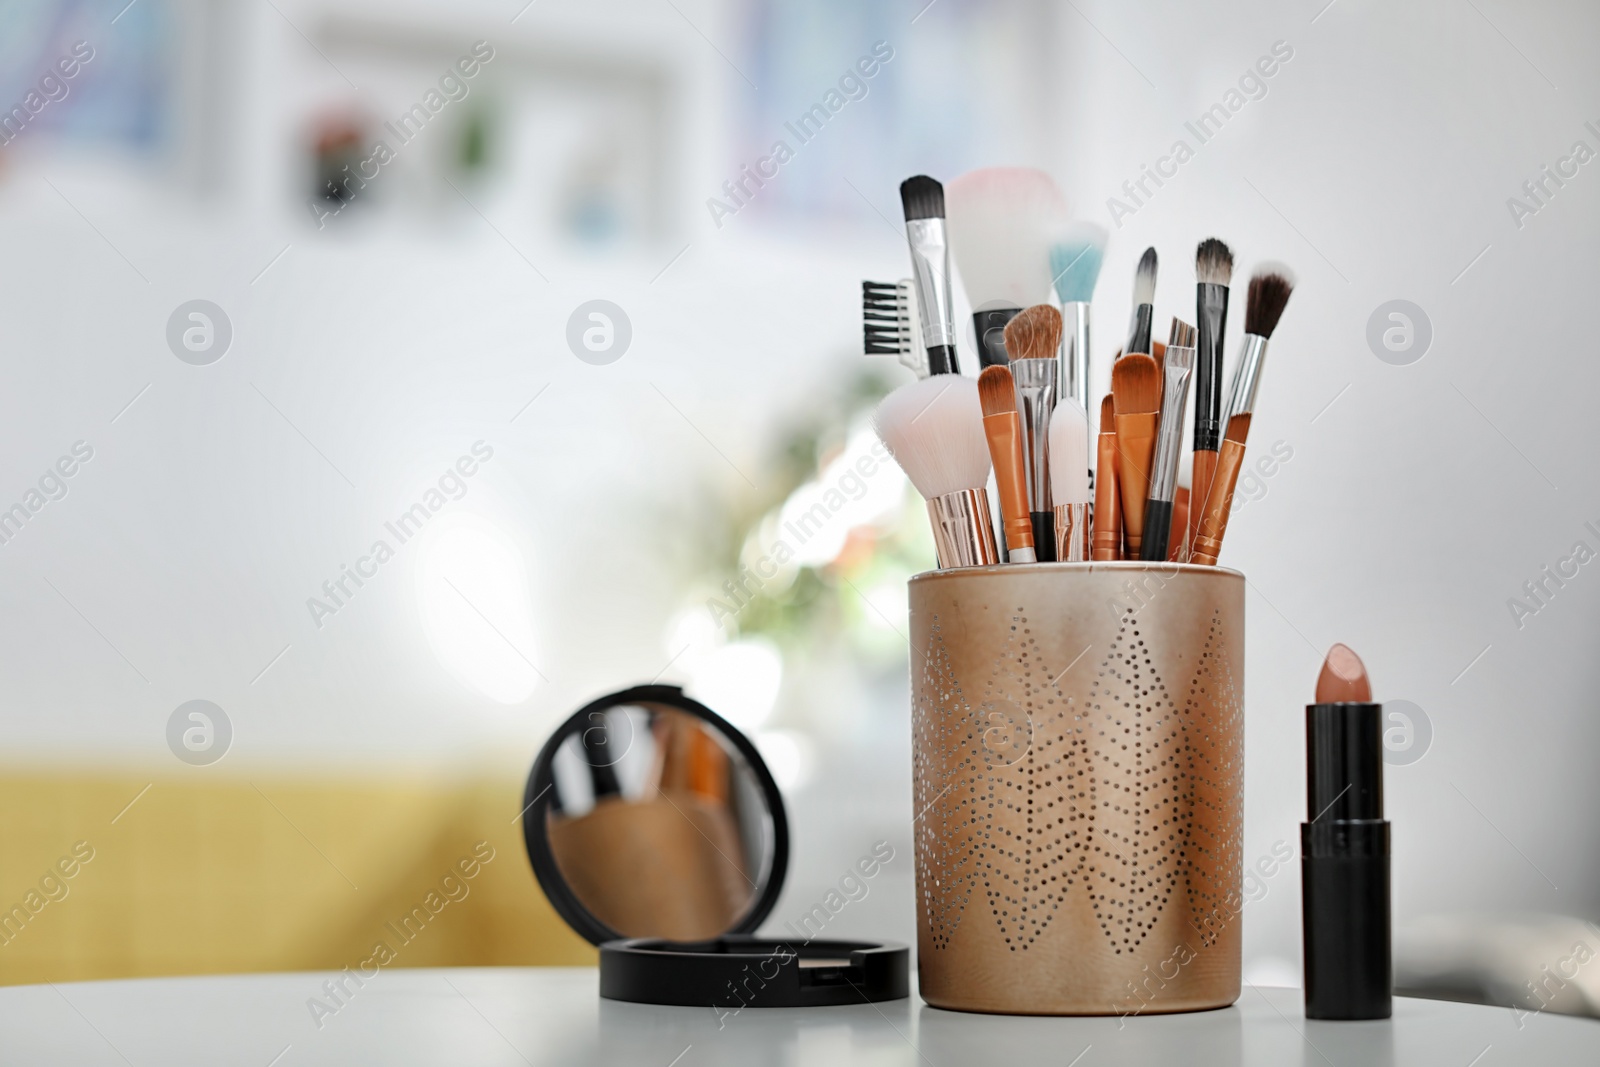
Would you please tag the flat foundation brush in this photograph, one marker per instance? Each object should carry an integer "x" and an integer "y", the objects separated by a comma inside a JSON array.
[
  {"x": 1136, "y": 394},
  {"x": 1003, "y": 427},
  {"x": 1213, "y": 270},
  {"x": 922, "y": 199},
  {"x": 1031, "y": 341},
  {"x": 1176, "y": 364}
]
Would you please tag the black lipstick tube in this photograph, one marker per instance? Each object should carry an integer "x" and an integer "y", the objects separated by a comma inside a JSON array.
[{"x": 1344, "y": 865}]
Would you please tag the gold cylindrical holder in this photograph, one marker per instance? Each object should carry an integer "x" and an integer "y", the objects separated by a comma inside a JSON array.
[{"x": 1078, "y": 777}]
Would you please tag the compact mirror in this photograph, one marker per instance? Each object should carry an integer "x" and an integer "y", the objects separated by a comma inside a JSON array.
[
  {"x": 657, "y": 832},
  {"x": 649, "y": 816}
]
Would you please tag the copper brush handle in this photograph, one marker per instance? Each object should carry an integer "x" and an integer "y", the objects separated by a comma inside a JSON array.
[
  {"x": 1219, "y": 501},
  {"x": 1205, "y": 467},
  {"x": 1011, "y": 481},
  {"x": 1107, "y": 508},
  {"x": 1136, "y": 446}
]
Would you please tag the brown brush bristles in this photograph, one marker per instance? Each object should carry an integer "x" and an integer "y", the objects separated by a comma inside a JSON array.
[
  {"x": 1269, "y": 294},
  {"x": 1108, "y": 412},
  {"x": 1136, "y": 384},
  {"x": 1239, "y": 428},
  {"x": 1034, "y": 334},
  {"x": 997, "y": 392}
]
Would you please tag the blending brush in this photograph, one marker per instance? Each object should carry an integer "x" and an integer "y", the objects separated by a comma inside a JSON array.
[
  {"x": 1107, "y": 506},
  {"x": 1069, "y": 480},
  {"x": 1136, "y": 396},
  {"x": 923, "y": 201},
  {"x": 1176, "y": 365},
  {"x": 889, "y": 324},
  {"x": 1032, "y": 340},
  {"x": 1213, "y": 270},
  {"x": 1075, "y": 258},
  {"x": 1144, "y": 299},
  {"x": 1000, "y": 222},
  {"x": 1269, "y": 293},
  {"x": 1002, "y": 424},
  {"x": 935, "y": 431}
]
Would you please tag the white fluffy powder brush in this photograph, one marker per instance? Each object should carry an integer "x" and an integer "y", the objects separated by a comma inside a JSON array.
[{"x": 934, "y": 430}]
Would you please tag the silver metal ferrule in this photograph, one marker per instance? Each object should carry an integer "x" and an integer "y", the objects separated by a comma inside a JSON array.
[
  {"x": 1246, "y": 377},
  {"x": 963, "y": 536},
  {"x": 1075, "y": 351},
  {"x": 1178, "y": 364},
  {"x": 1036, "y": 399},
  {"x": 930, "y": 267},
  {"x": 1072, "y": 533}
]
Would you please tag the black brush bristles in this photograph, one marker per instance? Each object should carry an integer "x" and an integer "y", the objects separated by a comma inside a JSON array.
[
  {"x": 1213, "y": 263},
  {"x": 1269, "y": 295},
  {"x": 885, "y": 319},
  {"x": 922, "y": 197}
]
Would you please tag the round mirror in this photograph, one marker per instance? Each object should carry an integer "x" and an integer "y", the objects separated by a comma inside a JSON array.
[{"x": 648, "y": 815}]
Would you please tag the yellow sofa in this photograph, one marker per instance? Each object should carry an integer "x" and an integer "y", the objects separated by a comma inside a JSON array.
[{"x": 264, "y": 872}]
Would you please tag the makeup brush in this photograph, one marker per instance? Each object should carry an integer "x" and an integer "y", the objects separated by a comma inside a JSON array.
[
  {"x": 1268, "y": 296},
  {"x": 1000, "y": 222},
  {"x": 1075, "y": 258},
  {"x": 1219, "y": 498},
  {"x": 889, "y": 324},
  {"x": 1144, "y": 298},
  {"x": 1069, "y": 480},
  {"x": 923, "y": 201},
  {"x": 1176, "y": 365},
  {"x": 1032, "y": 340},
  {"x": 934, "y": 430},
  {"x": 1107, "y": 503},
  {"x": 1136, "y": 394},
  {"x": 1003, "y": 426},
  {"x": 1213, "y": 270}
]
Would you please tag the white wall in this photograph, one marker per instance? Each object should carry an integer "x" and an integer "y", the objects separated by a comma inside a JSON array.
[{"x": 1378, "y": 165}]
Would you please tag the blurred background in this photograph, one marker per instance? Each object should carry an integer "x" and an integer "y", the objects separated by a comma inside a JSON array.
[{"x": 242, "y": 342}]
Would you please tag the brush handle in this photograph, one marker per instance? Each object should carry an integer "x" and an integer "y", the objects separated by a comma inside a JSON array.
[
  {"x": 989, "y": 327},
  {"x": 1107, "y": 508},
  {"x": 1072, "y": 533},
  {"x": 1075, "y": 351},
  {"x": 1157, "y": 527},
  {"x": 1136, "y": 446},
  {"x": 1219, "y": 501},
  {"x": 1211, "y": 313},
  {"x": 1205, "y": 466},
  {"x": 1139, "y": 328},
  {"x": 1178, "y": 543},
  {"x": 1004, "y": 432},
  {"x": 1044, "y": 535}
]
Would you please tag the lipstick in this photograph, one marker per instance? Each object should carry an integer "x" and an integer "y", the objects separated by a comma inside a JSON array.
[{"x": 1344, "y": 849}]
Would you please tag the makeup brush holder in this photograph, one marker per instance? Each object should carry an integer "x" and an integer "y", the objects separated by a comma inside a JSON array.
[{"x": 1078, "y": 778}]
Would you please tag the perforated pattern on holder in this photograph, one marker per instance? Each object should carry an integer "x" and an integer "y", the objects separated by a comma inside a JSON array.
[{"x": 1031, "y": 796}]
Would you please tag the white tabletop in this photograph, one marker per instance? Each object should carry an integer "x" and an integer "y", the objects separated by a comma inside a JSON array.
[{"x": 541, "y": 1016}]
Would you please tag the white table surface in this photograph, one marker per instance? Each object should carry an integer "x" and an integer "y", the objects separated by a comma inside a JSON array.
[{"x": 540, "y": 1016}]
